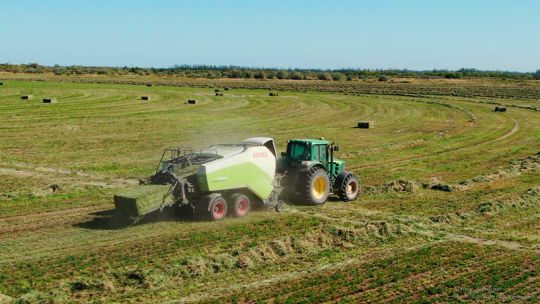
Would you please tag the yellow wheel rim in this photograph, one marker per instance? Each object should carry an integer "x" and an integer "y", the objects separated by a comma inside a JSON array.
[{"x": 319, "y": 187}]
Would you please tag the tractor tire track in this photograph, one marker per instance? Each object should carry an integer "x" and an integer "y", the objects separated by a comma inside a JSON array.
[{"x": 13, "y": 227}]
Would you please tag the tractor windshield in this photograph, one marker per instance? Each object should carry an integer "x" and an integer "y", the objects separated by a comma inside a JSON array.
[{"x": 298, "y": 151}]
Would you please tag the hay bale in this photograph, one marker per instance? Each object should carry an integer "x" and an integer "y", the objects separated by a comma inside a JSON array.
[
  {"x": 226, "y": 89},
  {"x": 216, "y": 90},
  {"x": 1, "y": 83},
  {"x": 272, "y": 94},
  {"x": 365, "y": 124},
  {"x": 141, "y": 200},
  {"x": 148, "y": 84},
  {"x": 219, "y": 94},
  {"x": 49, "y": 100},
  {"x": 192, "y": 101},
  {"x": 145, "y": 97},
  {"x": 27, "y": 97},
  {"x": 500, "y": 109}
]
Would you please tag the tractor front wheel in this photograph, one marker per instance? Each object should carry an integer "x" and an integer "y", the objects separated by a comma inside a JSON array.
[
  {"x": 349, "y": 189},
  {"x": 316, "y": 186},
  {"x": 240, "y": 205}
]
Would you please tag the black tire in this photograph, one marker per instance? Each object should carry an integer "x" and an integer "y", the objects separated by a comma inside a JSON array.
[
  {"x": 240, "y": 205},
  {"x": 315, "y": 187},
  {"x": 349, "y": 189},
  {"x": 217, "y": 207}
]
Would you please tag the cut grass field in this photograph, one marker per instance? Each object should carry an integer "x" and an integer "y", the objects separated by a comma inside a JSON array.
[{"x": 478, "y": 243}]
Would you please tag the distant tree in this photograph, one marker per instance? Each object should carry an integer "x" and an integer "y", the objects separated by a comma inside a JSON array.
[
  {"x": 453, "y": 75},
  {"x": 324, "y": 76},
  {"x": 537, "y": 75},
  {"x": 281, "y": 74},
  {"x": 270, "y": 74},
  {"x": 383, "y": 78},
  {"x": 59, "y": 71},
  {"x": 337, "y": 76},
  {"x": 297, "y": 75},
  {"x": 259, "y": 75},
  {"x": 236, "y": 74}
]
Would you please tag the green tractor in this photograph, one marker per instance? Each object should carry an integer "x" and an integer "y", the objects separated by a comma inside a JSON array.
[{"x": 311, "y": 173}]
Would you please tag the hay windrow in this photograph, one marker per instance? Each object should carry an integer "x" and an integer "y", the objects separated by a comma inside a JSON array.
[
  {"x": 515, "y": 168},
  {"x": 402, "y": 186},
  {"x": 274, "y": 250},
  {"x": 529, "y": 198},
  {"x": 33, "y": 297},
  {"x": 86, "y": 285}
]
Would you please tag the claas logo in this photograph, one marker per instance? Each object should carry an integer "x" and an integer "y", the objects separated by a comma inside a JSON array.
[{"x": 260, "y": 155}]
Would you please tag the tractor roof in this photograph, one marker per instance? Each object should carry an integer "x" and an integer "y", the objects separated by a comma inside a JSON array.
[{"x": 311, "y": 141}]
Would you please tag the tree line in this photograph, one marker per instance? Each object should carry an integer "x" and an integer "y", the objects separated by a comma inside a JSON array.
[{"x": 211, "y": 72}]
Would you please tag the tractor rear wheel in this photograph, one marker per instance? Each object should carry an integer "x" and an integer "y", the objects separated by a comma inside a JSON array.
[
  {"x": 349, "y": 189},
  {"x": 240, "y": 205},
  {"x": 217, "y": 208},
  {"x": 316, "y": 187}
]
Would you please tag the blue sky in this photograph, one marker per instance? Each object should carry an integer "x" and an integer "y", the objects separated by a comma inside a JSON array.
[{"x": 413, "y": 34}]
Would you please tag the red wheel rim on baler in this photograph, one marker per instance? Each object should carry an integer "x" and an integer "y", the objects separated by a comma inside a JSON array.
[
  {"x": 242, "y": 207},
  {"x": 219, "y": 209}
]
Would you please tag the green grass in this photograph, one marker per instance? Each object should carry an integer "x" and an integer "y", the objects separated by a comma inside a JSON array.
[{"x": 425, "y": 246}]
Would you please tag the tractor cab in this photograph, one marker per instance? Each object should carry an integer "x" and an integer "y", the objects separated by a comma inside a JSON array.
[{"x": 309, "y": 152}]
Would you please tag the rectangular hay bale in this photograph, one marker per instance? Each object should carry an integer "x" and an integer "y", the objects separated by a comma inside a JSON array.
[
  {"x": 27, "y": 97},
  {"x": 192, "y": 101},
  {"x": 49, "y": 100},
  {"x": 145, "y": 97},
  {"x": 141, "y": 200},
  {"x": 219, "y": 94},
  {"x": 365, "y": 124}
]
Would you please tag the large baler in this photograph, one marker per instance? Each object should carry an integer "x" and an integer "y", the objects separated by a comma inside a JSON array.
[{"x": 211, "y": 182}]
